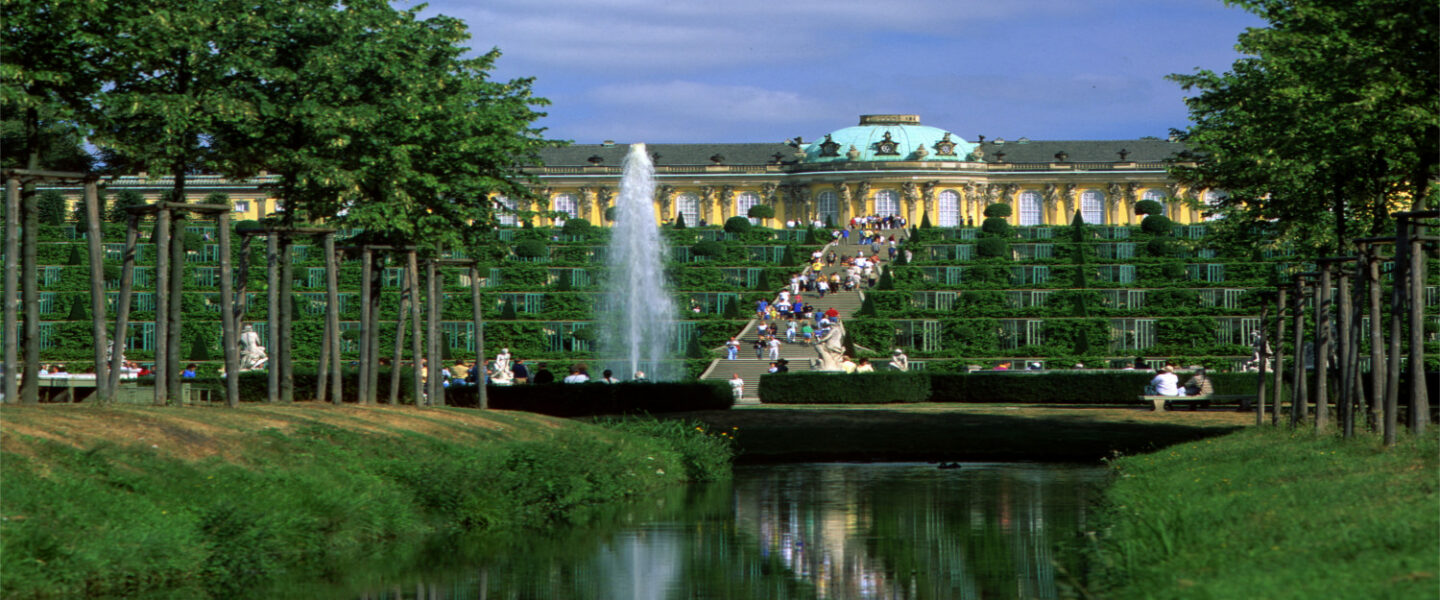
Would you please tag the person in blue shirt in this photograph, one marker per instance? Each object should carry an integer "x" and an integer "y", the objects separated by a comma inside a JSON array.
[{"x": 189, "y": 372}]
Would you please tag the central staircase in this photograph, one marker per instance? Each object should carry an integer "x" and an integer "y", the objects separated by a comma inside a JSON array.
[{"x": 797, "y": 354}]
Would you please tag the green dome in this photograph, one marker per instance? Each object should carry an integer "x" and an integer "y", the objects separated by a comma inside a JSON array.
[{"x": 889, "y": 138}]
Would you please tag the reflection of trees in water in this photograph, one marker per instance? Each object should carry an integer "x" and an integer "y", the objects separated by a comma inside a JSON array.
[{"x": 796, "y": 532}]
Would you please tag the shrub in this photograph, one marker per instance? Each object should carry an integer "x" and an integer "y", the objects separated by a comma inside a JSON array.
[
  {"x": 761, "y": 211},
  {"x": 925, "y": 221},
  {"x": 708, "y": 248},
  {"x": 992, "y": 247},
  {"x": 1157, "y": 225},
  {"x": 998, "y": 210},
  {"x": 51, "y": 208},
  {"x": 680, "y": 221},
  {"x": 246, "y": 225},
  {"x": 789, "y": 259},
  {"x": 737, "y": 224},
  {"x": 610, "y": 214},
  {"x": 77, "y": 309},
  {"x": 531, "y": 248},
  {"x": 1159, "y": 246},
  {"x": 840, "y": 388},
  {"x": 576, "y": 228},
  {"x": 580, "y": 400},
  {"x": 996, "y": 227},
  {"x": 1149, "y": 207},
  {"x": 1173, "y": 271}
]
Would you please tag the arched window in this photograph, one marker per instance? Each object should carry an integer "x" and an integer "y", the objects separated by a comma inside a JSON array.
[
  {"x": 1213, "y": 198},
  {"x": 743, "y": 202},
  {"x": 688, "y": 205},
  {"x": 887, "y": 202},
  {"x": 505, "y": 211},
  {"x": 948, "y": 206},
  {"x": 564, "y": 203},
  {"x": 1092, "y": 207},
  {"x": 829, "y": 209},
  {"x": 1160, "y": 196},
  {"x": 1030, "y": 208}
]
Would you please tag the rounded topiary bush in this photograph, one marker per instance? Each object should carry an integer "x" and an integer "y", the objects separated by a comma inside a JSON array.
[
  {"x": 707, "y": 248},
  {"x": 737, "y": 224},
  {"x": 248, "y": 225},
  {"x": 1149, "y": 207},
  {"x": 992, "y": 247},
  {"x": 1159, "y": 246},
  {"x": 576, "y": 228},
  {"x": 1173, "y": 271},
  {"x": 1157, "y": 225},
  {"x": 610, "y": 214},
  {"x": 761, "y": 211},
  {"x": 531, "y": 248},
  {"x": 998, "y": 209},
  {"x": 996, "y": 227}
]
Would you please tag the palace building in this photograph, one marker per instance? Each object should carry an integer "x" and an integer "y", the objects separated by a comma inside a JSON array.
[{"x": 886, "y": 165}]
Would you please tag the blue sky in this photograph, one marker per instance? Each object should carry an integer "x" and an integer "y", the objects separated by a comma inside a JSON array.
[{"x": 768, "y": 70}]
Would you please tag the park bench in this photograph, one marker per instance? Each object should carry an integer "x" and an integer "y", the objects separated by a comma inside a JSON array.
[
  {"x": 77, "y": 389},
  {"x": 1164, "y": 403}
]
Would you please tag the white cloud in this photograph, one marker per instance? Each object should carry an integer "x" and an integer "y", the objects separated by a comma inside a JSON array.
[{"x": 711, "y": 101}]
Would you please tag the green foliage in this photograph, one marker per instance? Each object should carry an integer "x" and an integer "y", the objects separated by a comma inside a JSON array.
[
  {"x": 997, "y": 227},
  {"x": 74, "y": 258},
  {"x": 838, "y": 388},
  {"x": 50, "y": 206},
  {"x": 999, "y": 210},
  {"x": 1172, "y": 271},
  {"x": 1149, "y": 207},
  {"x": 578, "y": 400},
  {"x": 993, "y": 247},
  {"x": 710, "y": 248},
  {"x": 680, "y": 220},
  {"x": 732, "y": 310},
  {"x": 248, "y": 225},
  {"x": 531, "y": 248},
  {"x": 737, "y": 225},
  {"x": 576, "y": 228},
  {"x": 507, "y": 311},
  {"x": 761, "y": 211},
  {"x": 867, "y": 306},
  {"x": 925, "y": 221},
  {"x": 886, "y": 282},
  {"x": 220, "y": 198},
  {"x": 199, "y": 349},
  {"x": 811, "y": 237},
  {"x": 78, "y": 311},
  {"x": 610, "y": 214},
  {"x": 124, "y": 199},
  {"x": 1157, "y": 225},
  {"x": 1159, "y": 246},
  {"x": 788, "y": 260}
]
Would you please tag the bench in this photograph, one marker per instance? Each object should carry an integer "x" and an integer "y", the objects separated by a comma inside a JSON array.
[
  {"x": 79, "y": 389},
  {"x": 1164, "y": 403}
]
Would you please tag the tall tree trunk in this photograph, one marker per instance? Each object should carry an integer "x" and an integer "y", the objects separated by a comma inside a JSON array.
[
  {"x": 481, "y": 394},
  {"x": 287, "y": 320},
  {"x": 272, "y": 315},
  {"x": 435, "y": 358},
  {"x": 122, "y": 305},
  {"x": 1344, "y": 401},
  {"x": 175, "y": 313},
  {"x": 372, "y": 333},
  {"x": 229, "y": 332},
  {"x": 1279, "y": 377},
  {"x": 332, "y": 321},
  {"x": 162, "y": 304},
  {"x": 1323, "y": 307},
  {"x": 406, "y": 295},
  {"x": 416, "y": 354},
  {"x": 1419, "y": 400},
  {"x": 12, "y": 281},
  {"x": 367, "y": 362},
  {"x": 1398, "y": 274},
  {"x": 29, "y": 281},
  {"x": 94, "y": 241},
  {"x": 1377, "y": 337},
  {"x": 1297, "y": 395}
]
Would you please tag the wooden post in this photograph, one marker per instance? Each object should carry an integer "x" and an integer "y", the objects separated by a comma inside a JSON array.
[
  {"x": 332, "y": 323},
  {"x": 481, "y": 394},
  {"x": 1419, "y": 400},
  {"x": 229, "y": 331},
  {"x": 94, "y": 241},
  {"x": 162, "y": 304},
  {"x": 1279, "y": 376},
  {"x": 287, "y": 318},
  {"x": 1297, "y": 394},
  {"x": 367, "y": 362},
  {"x": 122, "y": 306},
  {"x": 272, "y": 316},
  {"x": 12, "y": 281},
  {"x": 1323, "y": 306},
  {"x": 415, "y": 352}
]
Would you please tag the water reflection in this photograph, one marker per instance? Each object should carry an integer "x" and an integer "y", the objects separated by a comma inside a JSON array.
[{"x": 808, "y": 531}]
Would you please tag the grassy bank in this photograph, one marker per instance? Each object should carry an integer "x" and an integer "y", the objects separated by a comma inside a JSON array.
[
  {"x": 973, "y": 432},
  {"x": 1271, "y": 513},
  {"x": 117, "y": 500}
]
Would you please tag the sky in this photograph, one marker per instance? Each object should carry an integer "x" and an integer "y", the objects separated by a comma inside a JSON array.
[{"x": 667, "y": 71}]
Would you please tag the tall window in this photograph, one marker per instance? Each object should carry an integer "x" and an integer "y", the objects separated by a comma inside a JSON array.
[
  {"x": 505, "y": 211},
  {"x": 1213, "y": 198},
  {"x": 949, "y": 207},
  {"x": 1092, "y": 207},
  {"x": 887, "y": 202},
  {"x": 1030, "y": 208},
  {"x": 828, "y": 208},
  {"x": 1160, "y": 196},
  {"x": 688, "y": 205},
  {"x": 743, "y": 202},
  {"x": 564, "y": 203}
]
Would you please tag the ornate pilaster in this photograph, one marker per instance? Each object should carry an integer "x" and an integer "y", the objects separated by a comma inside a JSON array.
[
  {"x": 727, "y": 203},
  {"x": 666, "y": 195},
  {"x": 862, "y": 193},
  {"x": 604, "y": 197},
  {"x": 842, "y": 202},
  {"x": 1050, "y": 200},
  {"x": 911, "y": 194},
  {"x": 1068, "y": 194},
  {"x": 927, "y": 195},
  {"x": 585, "y": 203},
  {"x": 707, "y": 202}
]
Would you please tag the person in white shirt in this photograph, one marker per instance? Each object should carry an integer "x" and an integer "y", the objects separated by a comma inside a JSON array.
[
  {"x": 1166, "y": 383},
  {"x": 737, "y": 385},
  {"x": 576, "y": 376}
]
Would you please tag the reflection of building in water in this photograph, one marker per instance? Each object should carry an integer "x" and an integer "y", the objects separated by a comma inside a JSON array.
[
  {"x": 873, "y": 531},
  {"x": 641, "y": 565}
]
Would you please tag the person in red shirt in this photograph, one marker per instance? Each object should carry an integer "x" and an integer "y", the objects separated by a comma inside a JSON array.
[{"x": 832, "y": 313}]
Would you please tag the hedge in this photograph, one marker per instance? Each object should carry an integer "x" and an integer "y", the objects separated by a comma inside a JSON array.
[
  {"x": 880, "y": 387},
  {"x": 590, "y": 399}
]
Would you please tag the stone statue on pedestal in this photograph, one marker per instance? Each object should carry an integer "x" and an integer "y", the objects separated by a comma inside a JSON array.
[
  {"x": 899, "y": 361},
  {"x": 830, "y": 349},
  {"x": 252, "y": 354},
  {"x": 501, "y": 373}
]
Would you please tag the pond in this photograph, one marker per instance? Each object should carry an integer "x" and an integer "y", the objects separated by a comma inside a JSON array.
[{"x": 802, "y": 531}]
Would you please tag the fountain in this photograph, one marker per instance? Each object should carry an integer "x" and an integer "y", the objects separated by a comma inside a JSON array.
[{"x": 637, "y": 316}]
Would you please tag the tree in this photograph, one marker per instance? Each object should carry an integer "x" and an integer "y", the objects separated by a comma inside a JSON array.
[
  {"x": 123, "y": 200},
  {"x": 762, "y": 212},
  {"x": 1332, "y": 110},
  {"x": 680, "y": 220},
  {"x": 737, "y": 225},
  {"x": 51, "y": 206}
]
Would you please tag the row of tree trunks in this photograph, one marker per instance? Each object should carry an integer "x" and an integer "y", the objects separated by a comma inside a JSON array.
[
  {"x": 122, "y": 304},
  {"x": 93, "y": 243}
]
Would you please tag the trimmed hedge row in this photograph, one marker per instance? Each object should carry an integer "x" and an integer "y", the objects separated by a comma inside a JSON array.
[
  {"x": 1017, "y": 387},
  {"x": 590, "y": 399},
  {"x": 840, "y": 388}
]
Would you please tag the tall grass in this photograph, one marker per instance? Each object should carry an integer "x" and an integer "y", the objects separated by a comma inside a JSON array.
[
  {"x": 1269, "y": 513},
  {"x": 121, "y": 519}
]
